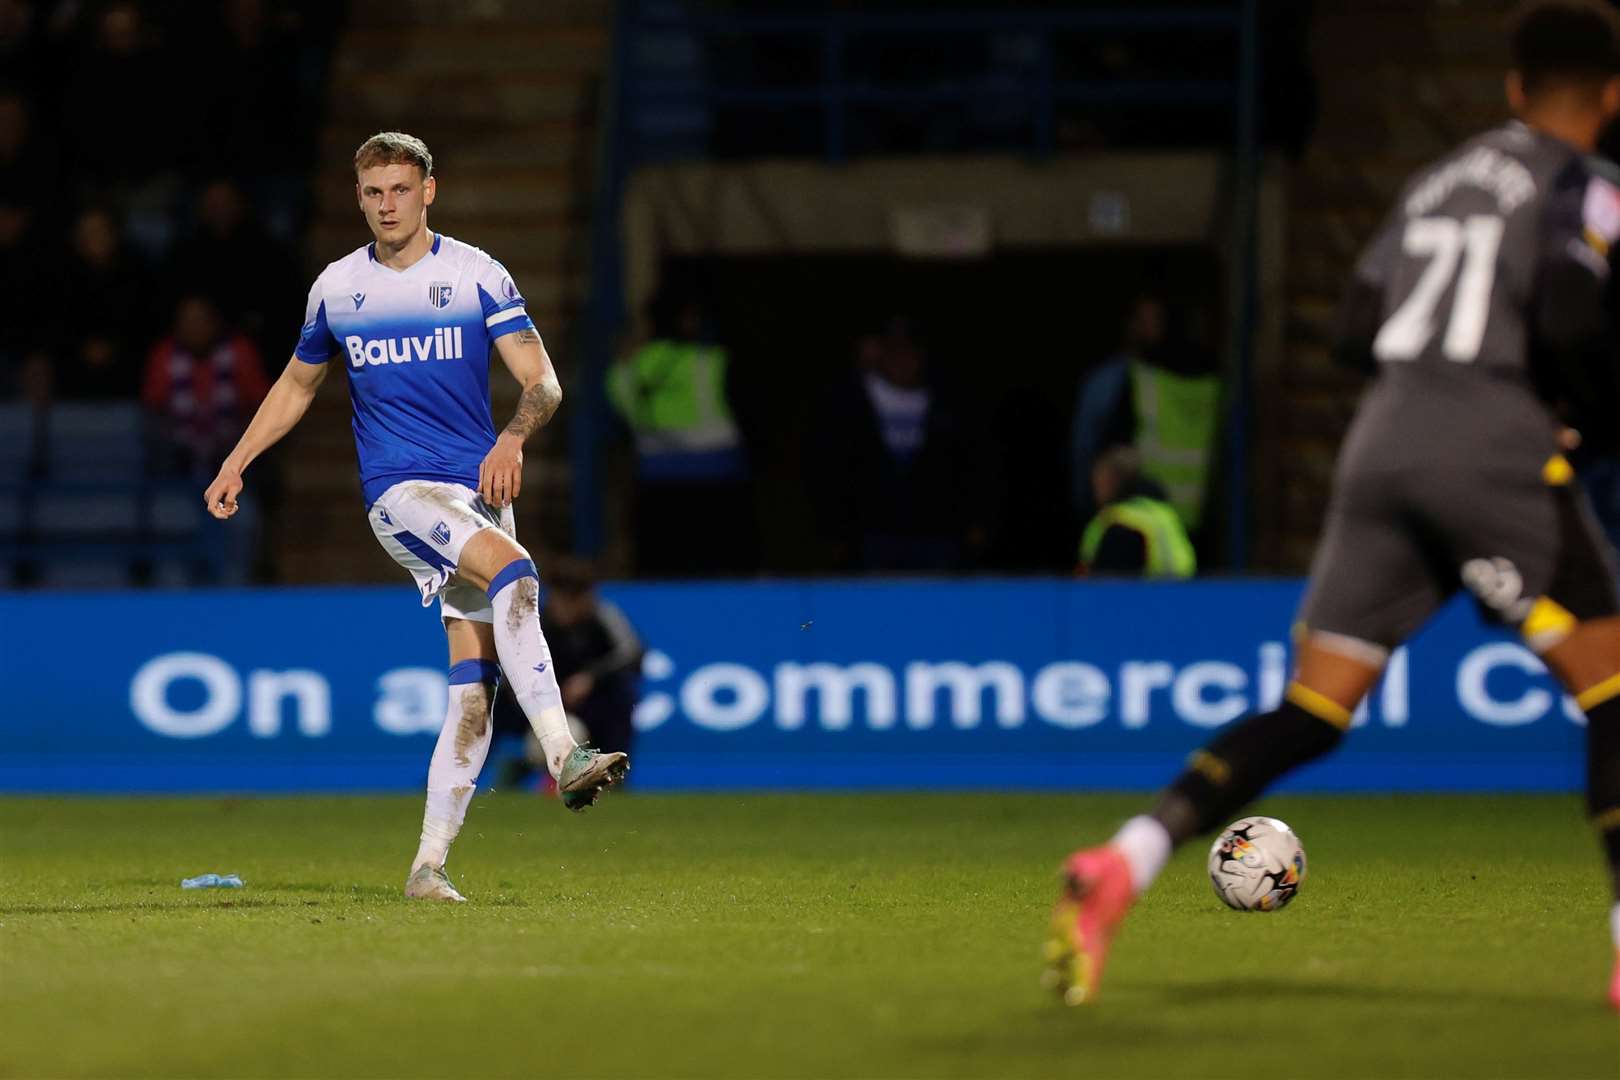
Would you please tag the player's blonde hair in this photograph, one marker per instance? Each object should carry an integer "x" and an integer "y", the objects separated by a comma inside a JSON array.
[{"x": 393, "y": 148}]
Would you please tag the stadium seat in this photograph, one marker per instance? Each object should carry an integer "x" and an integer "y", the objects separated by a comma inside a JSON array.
[
  {"x": 18, "y": 430},
  {"x": 173, "y": 511},
  {"x": 11, "y": 514},
  {"x": 93, "y": 514},
  {"x": 96, "y": 574},
  {"x": 95, "y": 442},
  {"x": 170, "y": 574}
]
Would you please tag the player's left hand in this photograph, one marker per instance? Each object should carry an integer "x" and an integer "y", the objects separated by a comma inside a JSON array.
[{"x": 500, "y": 474}]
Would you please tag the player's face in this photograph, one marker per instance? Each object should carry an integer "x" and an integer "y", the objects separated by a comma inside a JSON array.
[{"x": 395, "y": 199}]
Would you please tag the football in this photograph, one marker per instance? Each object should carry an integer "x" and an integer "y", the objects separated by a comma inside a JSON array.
[{"x": 1257, "y": 864}]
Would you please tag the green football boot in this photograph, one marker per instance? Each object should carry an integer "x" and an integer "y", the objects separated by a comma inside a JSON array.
[
  {"x": 431, "y": 883},
  {"x": 586, "y": 773}
]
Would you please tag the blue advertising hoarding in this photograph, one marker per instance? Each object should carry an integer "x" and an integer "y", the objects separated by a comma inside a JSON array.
[{"x": 990, "y": 684}]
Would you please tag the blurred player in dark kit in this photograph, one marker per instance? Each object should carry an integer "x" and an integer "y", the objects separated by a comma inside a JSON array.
[{"x": 1482, "y": 295}]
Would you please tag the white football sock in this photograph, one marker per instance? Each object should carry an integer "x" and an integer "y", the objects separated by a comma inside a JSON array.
[
  {"x": 458, "y": 757},
  {"x": 1146, "y": 846},
  {"x": 526, "y": 659},
  {"x": 1614, "y": 924}
]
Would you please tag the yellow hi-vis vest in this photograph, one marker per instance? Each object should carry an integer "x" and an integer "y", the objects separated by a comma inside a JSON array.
[
  {"x": 673, "y": 396},
  {"x": 1169, "y": 551},
  {"x": 1176, "y": 420}
]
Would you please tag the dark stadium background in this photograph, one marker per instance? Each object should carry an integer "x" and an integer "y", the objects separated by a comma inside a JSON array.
[{"x": 875, "y": 704}]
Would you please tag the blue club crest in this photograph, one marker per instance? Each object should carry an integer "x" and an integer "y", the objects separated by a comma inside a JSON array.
[{"x": 439, "y": 294}]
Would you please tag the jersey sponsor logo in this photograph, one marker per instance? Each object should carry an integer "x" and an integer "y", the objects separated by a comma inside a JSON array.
[
  {"x": 439, "y": 294},
  {"x": 443, "y": 344},
  {"x": 358, "y": 298}
]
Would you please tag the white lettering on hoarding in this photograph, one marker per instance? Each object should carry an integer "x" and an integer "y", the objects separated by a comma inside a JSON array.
[
  {"x": 412, "y": 702},
  {"x": 655, "y": 708},
  {"x": 1395, "y": 700},
  {"x": 309, "y": 691},
  {"x": 1474, "y": 695},
  {"x": 413, "y": 699},
  {"x": 1070, "y": 695},
  {"x": 149, "y": 695},
  {"x": 1273, "y": 678},
  {"x": 967, "y": 685},
  {"x": 726, "y": 696},
  {"x": 835, "y": 686},
  {"x": 1188, "y": 694},
  {"x": 702, "y": 696},
  {"x": 1137, "y": 681}
]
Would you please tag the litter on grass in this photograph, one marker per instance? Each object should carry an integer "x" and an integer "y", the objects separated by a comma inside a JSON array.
[{"x": 212, "y": 881}]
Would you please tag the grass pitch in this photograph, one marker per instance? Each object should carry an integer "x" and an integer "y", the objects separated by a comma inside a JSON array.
[{"x": 785, "y": 936}]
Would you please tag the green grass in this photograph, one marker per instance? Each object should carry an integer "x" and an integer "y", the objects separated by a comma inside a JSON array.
[{"x": 785, "y": 936}]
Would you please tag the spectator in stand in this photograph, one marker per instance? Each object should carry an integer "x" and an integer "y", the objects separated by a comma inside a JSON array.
[
  {"x": 245, "y": 124},
  {"x": 22, "y": 331},
  {"x": 21, "y": 56},
  {"x": 27, "y": 164},
  {"x": 260, "y": 296},
  {"x": 597, "y": 657},
  {"x": 693, "y": 508},
  {"x": 100, "y": 316},
  {"x": 902, "y": 482},
  {"x": 1158, "y": 393},
  {"x": 115, "y": 103},
  {"x": 1136, "y": 532},
  {"x": 203, "y": 383}
]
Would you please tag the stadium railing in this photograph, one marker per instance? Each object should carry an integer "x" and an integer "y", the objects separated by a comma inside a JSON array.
[{"x": 81, "y": 505}]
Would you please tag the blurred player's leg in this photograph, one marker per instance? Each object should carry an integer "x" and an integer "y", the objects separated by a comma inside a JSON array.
[
  {"x": 1100, "y": 884},
  {"x": 1587, "y": 661},
  {"x": 1371, "y": 586},
  {"x": 513, "y": 586}
]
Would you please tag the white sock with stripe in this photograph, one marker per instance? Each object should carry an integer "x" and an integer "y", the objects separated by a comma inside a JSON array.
[
  {"x": 458, "y": 757},
  {"x": 526, "y": 658},
  {"x": 1146, "y": 846}
]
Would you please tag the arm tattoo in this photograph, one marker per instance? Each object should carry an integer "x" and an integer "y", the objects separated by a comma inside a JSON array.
[{"x": 535, "y": 407}]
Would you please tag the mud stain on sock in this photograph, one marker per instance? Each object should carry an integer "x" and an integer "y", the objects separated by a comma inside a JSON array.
[
  {"x": 525, "y": 604},
  {"x": 472, "y": 724}
]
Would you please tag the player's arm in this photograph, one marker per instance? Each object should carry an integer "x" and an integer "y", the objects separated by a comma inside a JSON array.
[
  {"x": 281, "y": 409},
  {"x": 1361, "y": 310},
  {"x": 1572, "y": 321},
  {"x": 1360, "y": 313},
  {"x": 524, "y": 354}
]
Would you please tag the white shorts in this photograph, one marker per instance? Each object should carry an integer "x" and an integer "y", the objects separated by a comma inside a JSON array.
[{"x": 424, "y": 524}]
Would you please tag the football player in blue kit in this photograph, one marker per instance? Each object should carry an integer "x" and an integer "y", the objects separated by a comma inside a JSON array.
[{"x": 412, "y": 318}]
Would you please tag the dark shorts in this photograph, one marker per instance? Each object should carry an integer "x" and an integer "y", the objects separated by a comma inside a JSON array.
[{"x": 1398, "y": 543}]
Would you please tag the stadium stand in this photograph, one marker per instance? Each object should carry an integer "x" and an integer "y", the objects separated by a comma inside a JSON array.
[
  {"x": 504, "y": 95},
  {"x": 106, "y": 218}
]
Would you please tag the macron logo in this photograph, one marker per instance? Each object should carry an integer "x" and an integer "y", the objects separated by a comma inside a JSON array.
[{"x": 443, "y": 344}]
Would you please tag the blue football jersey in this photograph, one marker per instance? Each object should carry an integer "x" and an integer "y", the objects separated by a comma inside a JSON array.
[{"x": 416, "y": 345}]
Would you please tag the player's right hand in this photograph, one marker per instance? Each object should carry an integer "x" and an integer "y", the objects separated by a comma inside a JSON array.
[{"x": 220, "y": 498}]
